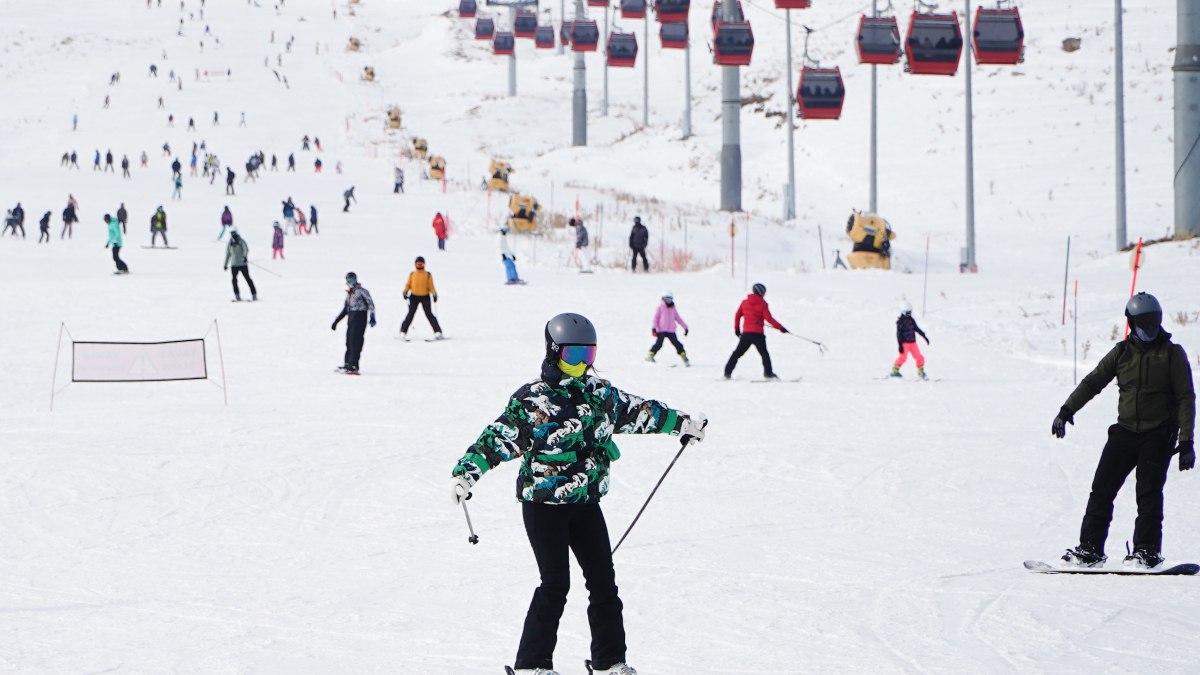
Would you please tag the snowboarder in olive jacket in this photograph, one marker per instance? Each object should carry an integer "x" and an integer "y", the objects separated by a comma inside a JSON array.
[
  {"x": 237, "y": 253},
  {"x": 1156, "y": 418}
]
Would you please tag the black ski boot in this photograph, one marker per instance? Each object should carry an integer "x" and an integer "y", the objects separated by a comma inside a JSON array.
[
  {"x": 1144, "y": 558},
  {"x": 1084, "y": 556}
]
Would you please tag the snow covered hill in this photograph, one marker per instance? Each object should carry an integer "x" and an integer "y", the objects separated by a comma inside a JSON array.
[{"x": 837, "y": 524}]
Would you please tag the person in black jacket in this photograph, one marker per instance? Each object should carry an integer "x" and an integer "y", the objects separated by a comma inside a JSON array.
[
  {"x": 18, "y": 221},
  {"x": 639, "y": 238},
  {"x": 69, "y": 220},
  {"x": 122, "y": 218},
  {"x": 359, "y": 310},
  {"x": 44, "y": 224},
  {"x": 907, "y": 331}
]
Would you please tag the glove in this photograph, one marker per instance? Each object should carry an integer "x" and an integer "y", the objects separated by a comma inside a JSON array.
[
  {"x": 737, "y": 332},
  {"x": 1187, "y": 455},
  {"x": 105, "y": 246},
  {"x": 685, "y": 332},
  {"x": 371, "y": 322},
  {"x": 460, "y": 489},
  {"x": 926, "y": 340},
  {"x": 435, "y": 297},
  {"x": 654, "y": 332},
  {"x": 783, "y": 330},
  {"x": 1059, "y": 428},
  {"x": 406, "y": 295},
  {"x": 334, "y": 326},
  {"x": 693, "y": 427},
  {"x": 227, "y": 268}
]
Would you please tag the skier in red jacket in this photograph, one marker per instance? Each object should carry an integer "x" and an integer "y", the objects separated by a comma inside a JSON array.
[
  {"x": 748, "y": 325},
  {"x": 439, "y": 230}
]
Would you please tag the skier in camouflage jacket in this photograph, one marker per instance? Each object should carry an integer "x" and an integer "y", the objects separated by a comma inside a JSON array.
[{"x": 560, "y": 426}]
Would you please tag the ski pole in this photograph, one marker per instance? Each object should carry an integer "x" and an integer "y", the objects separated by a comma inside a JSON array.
[
  {"x": 683, "y": 444},
  {"x": 264, "y": 269},
  {"x": 820, "y": 346},
  {"x": 474, "y": 538}
]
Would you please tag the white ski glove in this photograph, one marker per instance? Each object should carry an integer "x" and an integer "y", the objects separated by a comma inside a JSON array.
[
  {"x": 460, "y": 489},
  {"x": 693, "y": 425}
]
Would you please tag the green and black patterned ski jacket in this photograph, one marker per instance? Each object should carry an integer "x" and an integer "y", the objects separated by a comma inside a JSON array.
[{"x": 561, "y": 427}]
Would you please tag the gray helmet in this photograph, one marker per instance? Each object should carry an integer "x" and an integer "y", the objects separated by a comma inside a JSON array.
[
  {"x": 569, "y": 329},
  {"x": 1144, "y": 315},
  {"x": 759, "y": 289}
]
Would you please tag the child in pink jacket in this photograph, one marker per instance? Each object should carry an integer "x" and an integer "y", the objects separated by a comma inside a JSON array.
[
  {"x": 277, "y": 242},
  {"x": 665, "y": 320}
]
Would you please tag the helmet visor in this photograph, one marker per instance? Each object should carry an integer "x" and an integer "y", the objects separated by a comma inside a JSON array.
[
  {"x": 574, "y": 355},
  {"x": 1147, "y": 324}
]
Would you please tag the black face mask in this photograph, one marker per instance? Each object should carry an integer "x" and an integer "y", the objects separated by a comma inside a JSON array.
[
  {"x": 669, "y": 303},
  {"x": 1146, "y": 326}
]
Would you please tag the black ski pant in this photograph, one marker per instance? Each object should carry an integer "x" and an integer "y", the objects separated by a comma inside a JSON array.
[
  {"x": 45, "y": 235},
  {"x": 245, "y": 270},
  {"x": 1149, "y": 453},
  {"x": 422, "y": 301},
  {"x": 645, "y": 263},
  {"x": 759, "y": 341},
  {"x": 67, "y": 229},
  {"x": 154, "y": 238},
  {"x": 554, "y": 529},
  {"x": 658, "y": 343},
  {"x": 121, "y": 266},
  {"x": 356, "y": 331}
]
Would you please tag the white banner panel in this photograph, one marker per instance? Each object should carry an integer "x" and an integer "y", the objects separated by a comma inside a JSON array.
[{"x": 138, "y": 361}]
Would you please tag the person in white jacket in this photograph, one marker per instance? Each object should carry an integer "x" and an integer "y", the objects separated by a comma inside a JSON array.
[{"x": 506, "y": 254}]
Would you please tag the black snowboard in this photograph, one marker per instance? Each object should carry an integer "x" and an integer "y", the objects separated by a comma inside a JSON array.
[{"x": 1183, "y": 569}]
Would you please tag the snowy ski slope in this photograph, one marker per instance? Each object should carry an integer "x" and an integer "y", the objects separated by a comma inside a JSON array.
[{"x": 837, "y": 524}]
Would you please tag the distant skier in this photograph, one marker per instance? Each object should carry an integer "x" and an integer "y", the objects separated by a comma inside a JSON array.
[
  {"x": 560, "y": 426},
  {"x": 312, "y": 218},
  {"x": 18, "y": 220},
  {"x": 96, "y": 161},
  {"x": 44, "y": 225},
  {"x": 506, "y": 255},
  {"x": 108, "y": 162},
  {"x": 399, "y": 181},
  {"x": 907, "y": 331},
  {"x": 115, "y": 242},
  {"x": 226, "y": 222},
  {"x": 304, "y": 142},
  {"x": 359, "y": 312},
  {"x": 145, "y": 159},
  {"x": 123, "y": 218},
  {"x": 317, "y": 165},
  {"x": 439, "y": 230},
  {"x": 74, "y": 159},
  {"x": 177, "y": 193},
  {"x": 581, "y": 245},
  {"x": 748, "y": 326},
  {"x": 291, "y": 162},
  {"x": 289, "y": 214},
  {"x": 639, "y": 238},
  {"x": 69, "y": 219},
  {"x": 274, "y": 163},
  {"x": 666, "y": 317},
  {"x": 237, "y": 253},
  {"x": 125, "y": 166},
  {"x": 1156, "y": 407},
  {"x": 348, "y": 195},
  {"x": 229, "y": 178},
  {"x": 158, "y": 226},
  {"x": 277, "y": 242},
  {"x": 418, "y": 291},
  {"x": 176, "y": 167},
  {"x": 317, "y": 142},
  {"x": 301, "y": 222}
]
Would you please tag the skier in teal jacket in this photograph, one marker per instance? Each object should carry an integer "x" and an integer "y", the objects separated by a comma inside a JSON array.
[{"x": 115, "y": 241}]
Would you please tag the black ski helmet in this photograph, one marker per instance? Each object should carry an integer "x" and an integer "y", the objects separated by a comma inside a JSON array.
[
  {"x": 420, "y": 259},
  {"x": 1144, "y": 315},
  {"x": 568, "y": 329},
  {"x": 759, "y": 289},
  {"x": 637, "y": 220},
  {"x": 351, "y": 276}
]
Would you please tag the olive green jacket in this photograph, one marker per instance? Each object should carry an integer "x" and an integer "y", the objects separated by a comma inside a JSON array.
[{"x": 1155, "y": 381}]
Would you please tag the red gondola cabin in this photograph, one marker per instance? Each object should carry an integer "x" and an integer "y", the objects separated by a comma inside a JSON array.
[
  {"x": 466, "y": 9},
  {"x": 622, "y": 50},
  {"x": 999, "y": 37},
  {"x": 597, "y": 3},
  {"x": 504, "y": 43},
  {"x": 879, "y": 41},
  {"x": 485, "y": 29},
  {"x": 733, "y": 43},
  {"x": 934, "y": 44},
  {"x": 674, "y": 35},
  {"x": 525, "y": 24},
  {"x": 543, "y": 38},
  {"x": 671, "y": 11},
  {"x": 791, "y": 4},
  {"x": 633, "y": 9},
  {"x": 821, "y": 93},
  {"x": 585, "y": 35}
]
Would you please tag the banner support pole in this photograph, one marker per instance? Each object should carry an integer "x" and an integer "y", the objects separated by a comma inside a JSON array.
[
  {"x": 221, "y": 355},
  {"x": 57, "y": 350}
]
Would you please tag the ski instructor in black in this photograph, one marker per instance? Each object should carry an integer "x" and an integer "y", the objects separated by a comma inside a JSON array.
[
  {"x": 560, "y": 427},
  {"x": 359, "y": 310},
  {"x": 1156, "y": 416}
]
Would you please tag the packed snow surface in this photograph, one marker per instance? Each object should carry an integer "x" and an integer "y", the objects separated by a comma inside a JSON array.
[{"x": 841, "y": 523}]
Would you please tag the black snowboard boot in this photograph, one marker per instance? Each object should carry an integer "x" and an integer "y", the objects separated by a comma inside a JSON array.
[
  {"x": 1084, "y": 556},
  {"x": 1144, "y": 558}
]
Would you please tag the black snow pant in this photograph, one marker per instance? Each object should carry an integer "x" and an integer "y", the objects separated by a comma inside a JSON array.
[
  {"x": 759, "y": 341},
  {"x": 347, "y": 206},
  {"x": 67, "y": 229},
  {"x": 658, "y": 343},
  {"x": 45, "y": 235},
  {"x": 554, "y": 529},
  {"x": 121, "y": 266},
  {"x": 154, "y": 239},
  {"x": 422, "y": 301},
  {"x": 356, "y": 331},
  {"x": 1150, "y": 454},
  {"x": 645, "y": 264},
  {"x": 245, "y": 270}
]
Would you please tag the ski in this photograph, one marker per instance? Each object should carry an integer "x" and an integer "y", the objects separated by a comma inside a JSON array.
[
  {"x": 166, "y": 248},
  {"x": 441, "y": 339},
  {"x": 779, "y": 380},
  {"x": 1183, "y": 569},
  {"x": 343, "y": 371}
]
